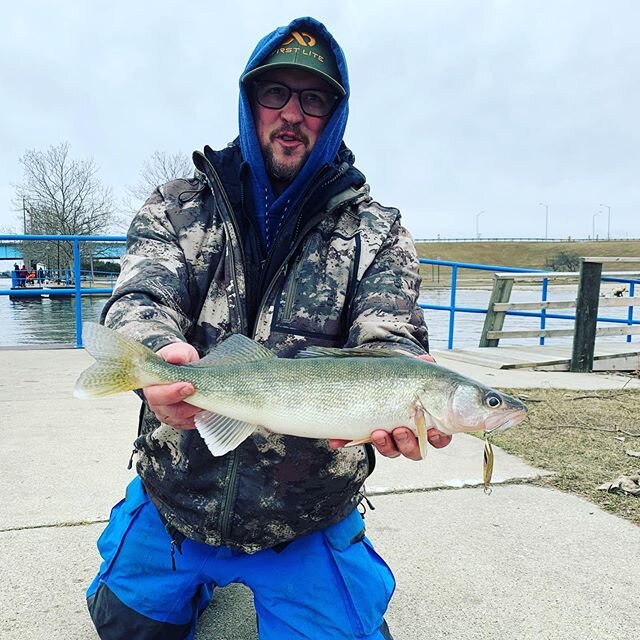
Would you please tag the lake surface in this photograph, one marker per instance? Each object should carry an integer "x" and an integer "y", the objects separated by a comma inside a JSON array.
[{"x": 36, "y": 321}]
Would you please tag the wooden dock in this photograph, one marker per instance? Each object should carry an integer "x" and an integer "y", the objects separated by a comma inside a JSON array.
[{"x": 608, "y": 356}]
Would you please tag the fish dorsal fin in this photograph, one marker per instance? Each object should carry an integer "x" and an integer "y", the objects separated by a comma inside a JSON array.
[
  {"x": 350, "y": 352},
  {"x": 236, "y": 349},
  {"x": 220, "y": 433}
]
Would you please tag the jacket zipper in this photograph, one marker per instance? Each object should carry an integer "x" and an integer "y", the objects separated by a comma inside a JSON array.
[
  {"x": 228, "y": 497},
  {"x": 297, "y": 238},
  {"x": 232, "y": 469}
]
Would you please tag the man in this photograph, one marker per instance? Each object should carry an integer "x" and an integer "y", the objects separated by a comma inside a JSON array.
[{"x": 276, "y": 238}]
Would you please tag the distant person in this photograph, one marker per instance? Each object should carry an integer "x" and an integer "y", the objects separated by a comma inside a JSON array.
[
  {"x": 23, "y": 276},
  {"x": 40, "y": 275},
  {"x": 15, "y": 276}
]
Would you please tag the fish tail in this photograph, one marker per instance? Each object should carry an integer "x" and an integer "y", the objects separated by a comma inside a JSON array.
[{"x": 120, "y": 363}]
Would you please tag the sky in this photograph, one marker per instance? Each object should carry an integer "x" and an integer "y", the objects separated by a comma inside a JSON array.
[{"x": 476, "y": 118}]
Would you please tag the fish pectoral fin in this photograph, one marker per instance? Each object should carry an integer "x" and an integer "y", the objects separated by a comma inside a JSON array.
[
  {"x": 355, "y": 443},
  {"x": 220, "y": 433}
]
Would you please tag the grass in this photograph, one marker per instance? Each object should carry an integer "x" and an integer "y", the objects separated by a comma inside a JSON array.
[
  {"x": 530, "y": 255},
  {"x": 582, "y": 437}
]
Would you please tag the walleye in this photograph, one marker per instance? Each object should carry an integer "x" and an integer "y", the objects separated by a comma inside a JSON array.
[{"x": 322, "y": 393}]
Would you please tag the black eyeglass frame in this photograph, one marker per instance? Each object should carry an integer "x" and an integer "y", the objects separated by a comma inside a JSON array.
[{"x": 332, "y": 96}]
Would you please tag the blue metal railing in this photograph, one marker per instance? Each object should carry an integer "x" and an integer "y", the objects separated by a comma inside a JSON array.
[
  {"x": 543, "y": 314},
  {"x": 78, "y": 291}
]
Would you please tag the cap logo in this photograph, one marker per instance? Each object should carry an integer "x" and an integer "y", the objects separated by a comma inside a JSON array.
[{"x": 303, "y": 39}]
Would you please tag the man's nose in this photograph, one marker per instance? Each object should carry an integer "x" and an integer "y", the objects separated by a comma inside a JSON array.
[{"x": 292, "y": 111}]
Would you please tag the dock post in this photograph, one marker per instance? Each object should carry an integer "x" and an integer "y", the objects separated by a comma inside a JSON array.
[{"x": 584, "y": 335}]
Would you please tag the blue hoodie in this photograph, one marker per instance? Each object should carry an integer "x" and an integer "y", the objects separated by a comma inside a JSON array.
[{"x": 266, "y": 205}]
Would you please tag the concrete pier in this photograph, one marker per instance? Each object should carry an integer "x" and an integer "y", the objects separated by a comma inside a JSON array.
[{"x": 523, "y": 563}]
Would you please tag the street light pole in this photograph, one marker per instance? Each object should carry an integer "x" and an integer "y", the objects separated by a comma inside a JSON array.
[
  {"x": 593, "y": 225},
  {"x": 477, "y": 223},
  {"x": 608, "y": 221},
  {"x": 546, "y": 220}
]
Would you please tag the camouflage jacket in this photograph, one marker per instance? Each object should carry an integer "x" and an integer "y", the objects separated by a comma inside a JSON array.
[{"x": 342, "y": 272}]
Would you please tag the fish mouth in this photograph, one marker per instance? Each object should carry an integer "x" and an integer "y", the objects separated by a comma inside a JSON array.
[{"x": 506, "y": 421}]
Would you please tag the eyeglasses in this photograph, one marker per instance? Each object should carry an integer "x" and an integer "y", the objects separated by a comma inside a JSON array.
[{"x": 313, "y": 102}]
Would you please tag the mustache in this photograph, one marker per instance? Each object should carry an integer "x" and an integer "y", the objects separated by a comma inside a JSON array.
[{"x": 290, "y": 130}]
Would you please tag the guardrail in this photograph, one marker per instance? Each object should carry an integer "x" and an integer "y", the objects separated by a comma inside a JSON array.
[{"x": 538, "y": 274}]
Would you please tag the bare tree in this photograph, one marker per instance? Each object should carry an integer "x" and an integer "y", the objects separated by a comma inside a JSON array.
[
  {"x": 60, "y": 195},
  {"x": 160, "y": 168}
]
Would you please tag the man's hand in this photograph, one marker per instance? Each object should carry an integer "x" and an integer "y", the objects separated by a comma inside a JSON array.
[
  {"x": 402, "y": 441},
  {"x": 167, "y": 400}
]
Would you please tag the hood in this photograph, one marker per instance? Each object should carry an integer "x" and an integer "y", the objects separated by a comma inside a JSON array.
[{"x": 326, "y": 148}]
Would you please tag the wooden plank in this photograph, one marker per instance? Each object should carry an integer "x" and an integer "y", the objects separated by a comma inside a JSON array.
[
  {"x": 494, "y": 320},
  {"x": 620, "y": 302},
  {"x": 609, "y": 355},
  {"x": 527, "y": 306},
  {"x": 618, "y": 363},
  {"x": 626, "y": 330},
  {"x": 534, "y": 333},
  {"x": 550, "y": 275},
  {"x": 563, "y": 304}
]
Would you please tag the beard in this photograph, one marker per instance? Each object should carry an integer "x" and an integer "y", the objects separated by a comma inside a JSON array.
[{"x": 279, "y": 171}]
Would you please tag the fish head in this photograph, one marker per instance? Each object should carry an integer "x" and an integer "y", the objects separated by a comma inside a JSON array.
[
  {"x": 474, "y": 407},
  {"x": 463, "y": 405}
]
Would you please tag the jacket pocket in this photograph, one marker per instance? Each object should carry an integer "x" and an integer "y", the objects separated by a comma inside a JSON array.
[
  {"x": 312, "y": 297},
  {"x": 364, "y": 578},
  {"x": 122, "y": 516}
]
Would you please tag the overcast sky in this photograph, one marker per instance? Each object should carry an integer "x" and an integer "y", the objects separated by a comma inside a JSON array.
[{"x": 458, "y": 106}]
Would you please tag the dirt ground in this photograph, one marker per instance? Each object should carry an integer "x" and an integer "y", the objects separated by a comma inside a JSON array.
[{"x": 587, "y": 438}]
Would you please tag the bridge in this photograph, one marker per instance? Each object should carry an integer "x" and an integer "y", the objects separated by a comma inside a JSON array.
[{"x": 104, "y": 247}]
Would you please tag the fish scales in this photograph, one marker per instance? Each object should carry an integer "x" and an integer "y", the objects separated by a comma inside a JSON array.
[{"x": 342, "y": 395}]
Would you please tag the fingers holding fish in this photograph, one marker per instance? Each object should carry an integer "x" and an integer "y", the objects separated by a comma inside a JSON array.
[
  {"x": 179, "y": 353},
  {"x": 438, "y": 439},
  {"x": 167, "y": 403},
  {"x": 400, "y": 441}
]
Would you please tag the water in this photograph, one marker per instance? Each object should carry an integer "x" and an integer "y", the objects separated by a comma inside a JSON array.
[
  {"x": 52, "y": 320},
  {"x": 25, "y": 321}
]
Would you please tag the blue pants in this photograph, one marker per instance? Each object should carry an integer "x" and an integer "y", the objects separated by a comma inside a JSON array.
[{"x": 328, "y": 585}]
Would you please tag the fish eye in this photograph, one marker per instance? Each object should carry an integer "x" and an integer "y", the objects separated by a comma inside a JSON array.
[{"x": 493, "y": 400}]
